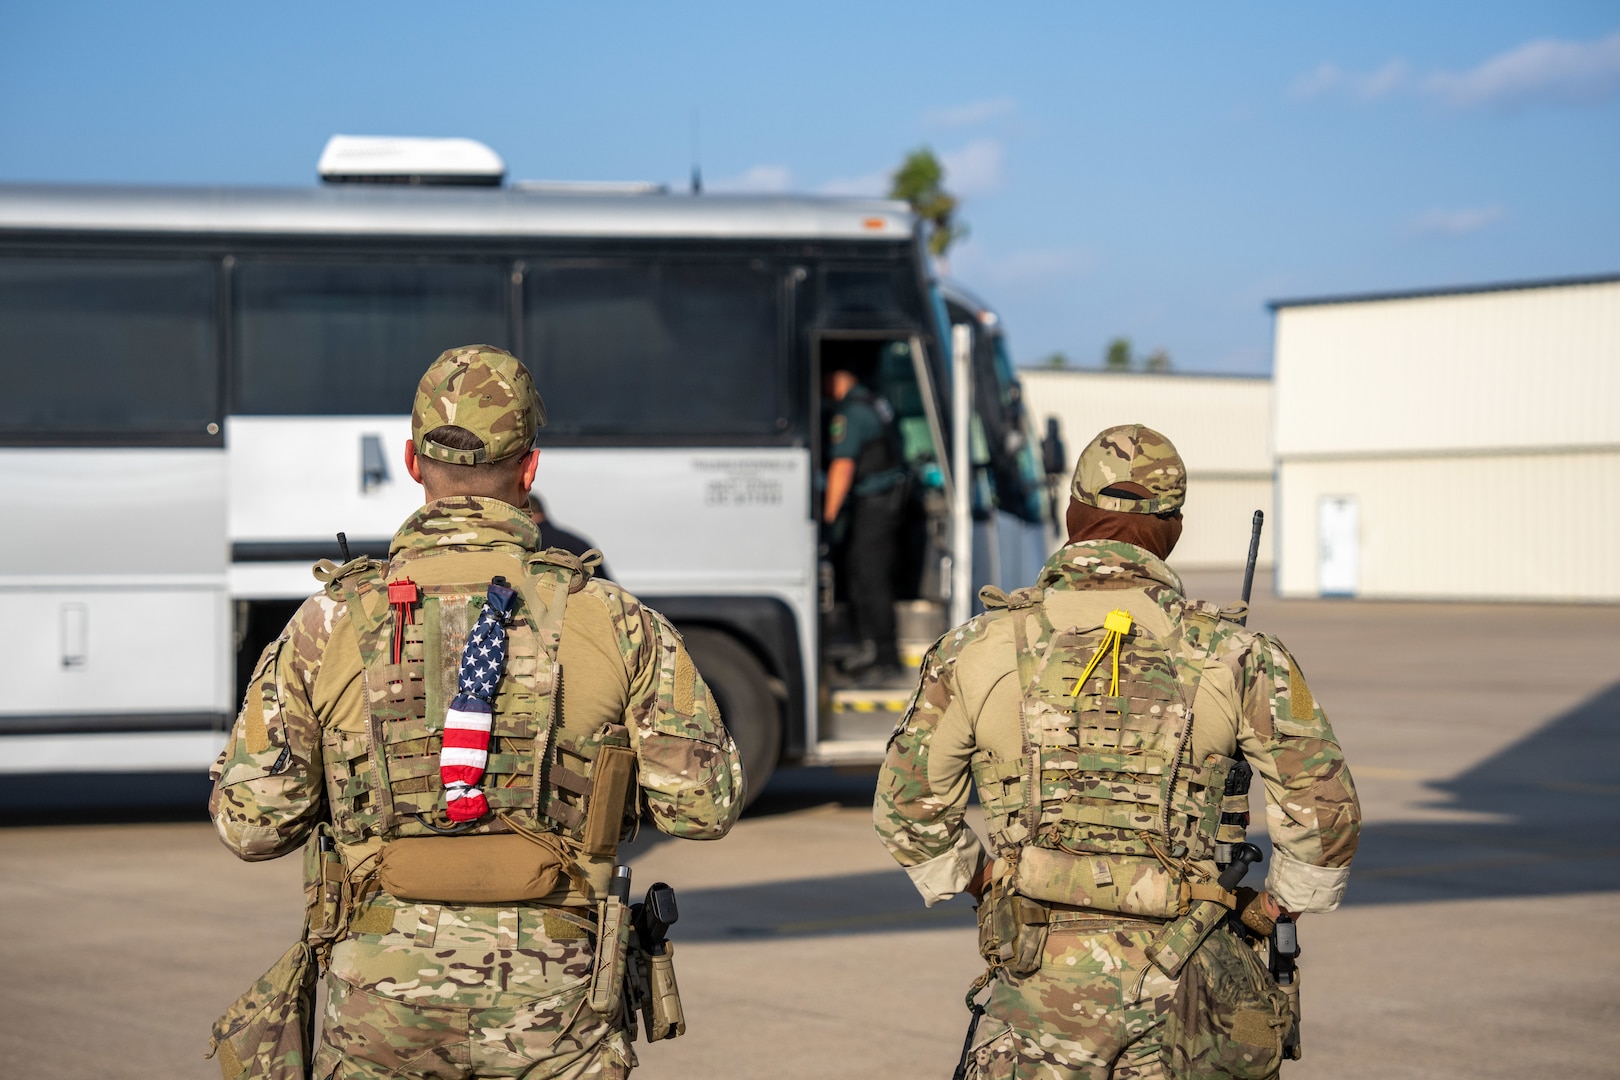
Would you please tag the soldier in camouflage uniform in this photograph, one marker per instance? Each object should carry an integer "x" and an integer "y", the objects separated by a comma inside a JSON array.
[
  {"x": 470, "y": 948},
  {"x": 1099, "y": 714}
]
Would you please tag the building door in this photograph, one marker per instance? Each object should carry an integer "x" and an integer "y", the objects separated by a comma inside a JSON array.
[{"x": 1339, "y": 545}]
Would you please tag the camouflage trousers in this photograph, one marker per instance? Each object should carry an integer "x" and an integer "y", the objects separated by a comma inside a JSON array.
[
  {"x": 457, "y": 992},
  {"x": 1098, "y": 1008},
  {"x": 1095, "y": 1009}
]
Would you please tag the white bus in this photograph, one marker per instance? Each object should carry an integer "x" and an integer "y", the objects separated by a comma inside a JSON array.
[{"x": 200, "y": 387}]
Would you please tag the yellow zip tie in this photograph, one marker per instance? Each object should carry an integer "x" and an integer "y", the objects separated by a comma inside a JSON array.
[{"x": 1115, "y": 627}]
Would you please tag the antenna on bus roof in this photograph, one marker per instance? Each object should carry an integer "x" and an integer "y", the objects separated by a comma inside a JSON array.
[{"x": 697, "y": 170}]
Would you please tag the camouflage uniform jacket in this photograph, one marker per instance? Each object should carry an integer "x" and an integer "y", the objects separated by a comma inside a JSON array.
[
  {"x": 1251, "y": 697},
  {"x": 620, "y": 655}
]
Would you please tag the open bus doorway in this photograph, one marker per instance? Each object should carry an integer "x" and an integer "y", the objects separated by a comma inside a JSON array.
[{"x": 861, "y": 703}]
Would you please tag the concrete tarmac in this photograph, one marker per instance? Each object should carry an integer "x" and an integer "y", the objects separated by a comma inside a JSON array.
[{"x": 1481, "y": 936}]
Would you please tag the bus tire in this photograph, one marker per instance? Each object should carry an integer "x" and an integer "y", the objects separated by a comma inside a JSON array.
[{"x": 742, "y": 689}]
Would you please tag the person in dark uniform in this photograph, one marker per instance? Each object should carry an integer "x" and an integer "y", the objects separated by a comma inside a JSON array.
[
  {"x": 866, "y": 479},
  {"x": 554, "y": 536}
]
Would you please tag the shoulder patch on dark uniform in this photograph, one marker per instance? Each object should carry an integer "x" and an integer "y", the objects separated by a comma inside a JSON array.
[{"x": 837, "y": 429}]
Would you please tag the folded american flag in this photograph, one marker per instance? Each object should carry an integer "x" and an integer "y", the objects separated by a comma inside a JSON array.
[{"x": 467, "y": 724}]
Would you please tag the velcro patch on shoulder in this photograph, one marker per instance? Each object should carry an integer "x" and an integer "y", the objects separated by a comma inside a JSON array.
[
  {"x": 685, "y": 683},
  {"x": 256, "y": 734},
  {"x": 1301, "y": 706}
]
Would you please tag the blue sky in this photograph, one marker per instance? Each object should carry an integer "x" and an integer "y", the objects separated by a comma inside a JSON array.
[{"x": 1158, "y": 173}]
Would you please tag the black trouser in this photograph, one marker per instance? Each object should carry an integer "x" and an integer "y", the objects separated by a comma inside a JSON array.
[{"x": 869, "y": 557}]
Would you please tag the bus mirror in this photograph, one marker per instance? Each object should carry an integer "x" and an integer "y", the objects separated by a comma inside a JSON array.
[{"x": 1054, "y": 460}]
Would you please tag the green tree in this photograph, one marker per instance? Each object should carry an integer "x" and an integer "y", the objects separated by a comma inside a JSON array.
[
  {"x": 1056, "y": 360},
  {"x": 1117, "y": 357},
  {"x": 920, "y": 181},
  {"x": 1157, "y": 362}
]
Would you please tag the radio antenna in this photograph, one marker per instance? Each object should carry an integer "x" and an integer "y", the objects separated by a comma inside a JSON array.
[{"x": 697, "y": 168}]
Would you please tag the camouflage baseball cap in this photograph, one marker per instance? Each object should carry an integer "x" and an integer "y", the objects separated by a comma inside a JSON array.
[
  {"x": 1131, "y": 453},
  {"x": 485, "y": 390}
]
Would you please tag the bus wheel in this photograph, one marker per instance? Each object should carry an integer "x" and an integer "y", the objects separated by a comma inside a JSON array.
[{"x": 742, "y": 689}]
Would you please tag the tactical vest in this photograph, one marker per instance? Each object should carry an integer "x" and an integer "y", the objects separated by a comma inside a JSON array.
[
  {"x": 567, "y": 791},
  {"x": 1104, "y": 808},
  {"x": 885, "y": 453}
]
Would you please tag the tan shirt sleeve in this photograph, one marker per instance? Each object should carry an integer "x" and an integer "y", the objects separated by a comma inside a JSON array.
[
  {"x": 269, "y": 789},
  {"x": 923, "y": 788},
  {"x": 690, "y": 772},
  {"x": 1312, "y": 812}
]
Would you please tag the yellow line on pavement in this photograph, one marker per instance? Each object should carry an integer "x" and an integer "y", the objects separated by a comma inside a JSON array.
[{"x": 868, "y": 706}]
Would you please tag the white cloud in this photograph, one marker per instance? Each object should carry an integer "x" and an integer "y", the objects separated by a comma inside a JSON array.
[
  {"x": 1369, "y": 86},
  {"x": 1457, "y": 222},
  {"x": 758, "y": 179},
  {"x": 875, "y": 184},
  {"x": 975, "y": 169},
  {"x": 1537, "y": 72},
  {"x": 1562, "y": 72},
  {"x": 977, "y": 112}
]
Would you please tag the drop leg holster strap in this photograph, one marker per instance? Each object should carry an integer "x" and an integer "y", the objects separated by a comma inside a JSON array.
[{"x": 612, "y": 944}]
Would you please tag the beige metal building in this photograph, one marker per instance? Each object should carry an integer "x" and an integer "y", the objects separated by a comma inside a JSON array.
[
  {"x": 1451, "y": 445},
  {"x": 1220, "y": 423}
]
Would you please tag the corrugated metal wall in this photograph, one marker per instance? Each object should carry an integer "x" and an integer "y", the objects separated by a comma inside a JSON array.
[
  {"x": 1501, "y": 526},
  {"x": 1521, "y": 368},
  {"x": 1221, "y": 425},
  {"x": 1478, "y": 434}
]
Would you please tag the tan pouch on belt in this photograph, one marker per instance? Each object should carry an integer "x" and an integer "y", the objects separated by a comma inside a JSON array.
[
  {"x": 612, "y": 947},
  {"x": 499, "y": 869}
]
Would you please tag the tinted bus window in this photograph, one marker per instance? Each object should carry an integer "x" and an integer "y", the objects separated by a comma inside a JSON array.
[
  {"x": 866, "y": 299},
  {"x": 107, "y": 350},
  {"x": 332, "y": 338},
  {"x": 662, "y": 349}
]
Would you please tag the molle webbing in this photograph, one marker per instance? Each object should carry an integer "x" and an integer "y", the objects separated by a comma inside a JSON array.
[
  {"x": 1103, "y": 809},
  {"x": 541, "y": 776}
]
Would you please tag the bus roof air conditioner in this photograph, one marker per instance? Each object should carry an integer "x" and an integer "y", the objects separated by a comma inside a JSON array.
[{"x": 375, "y": 159}]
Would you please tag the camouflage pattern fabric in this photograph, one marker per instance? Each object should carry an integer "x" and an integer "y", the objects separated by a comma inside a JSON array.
[
  {"x": 484, "y": 390},
  {"x": 963, "y": 721},
  {"x": 500, "y": 993},
  {"x": 1132, "y": 453},
  {"x": 304, "y": 700},
  {"x": 1228, "y": 1017},
  {"x": 1252, "y": 697},
  {"x": 265, "y": 1031},
  {"x": 288, "y": 763},
  {"x": 1096, "y": 1009},
  {"x": 1106, "y": 781}
]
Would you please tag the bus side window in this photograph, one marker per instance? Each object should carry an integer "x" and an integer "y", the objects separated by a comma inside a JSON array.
[{"x": 140, "y": 335}]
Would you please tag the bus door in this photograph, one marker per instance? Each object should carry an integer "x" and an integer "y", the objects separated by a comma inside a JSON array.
[
  {"x": 1009, "y": 539},
  {"x": 325, "y": 357},
  {"x": 893, "y": 367}
]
